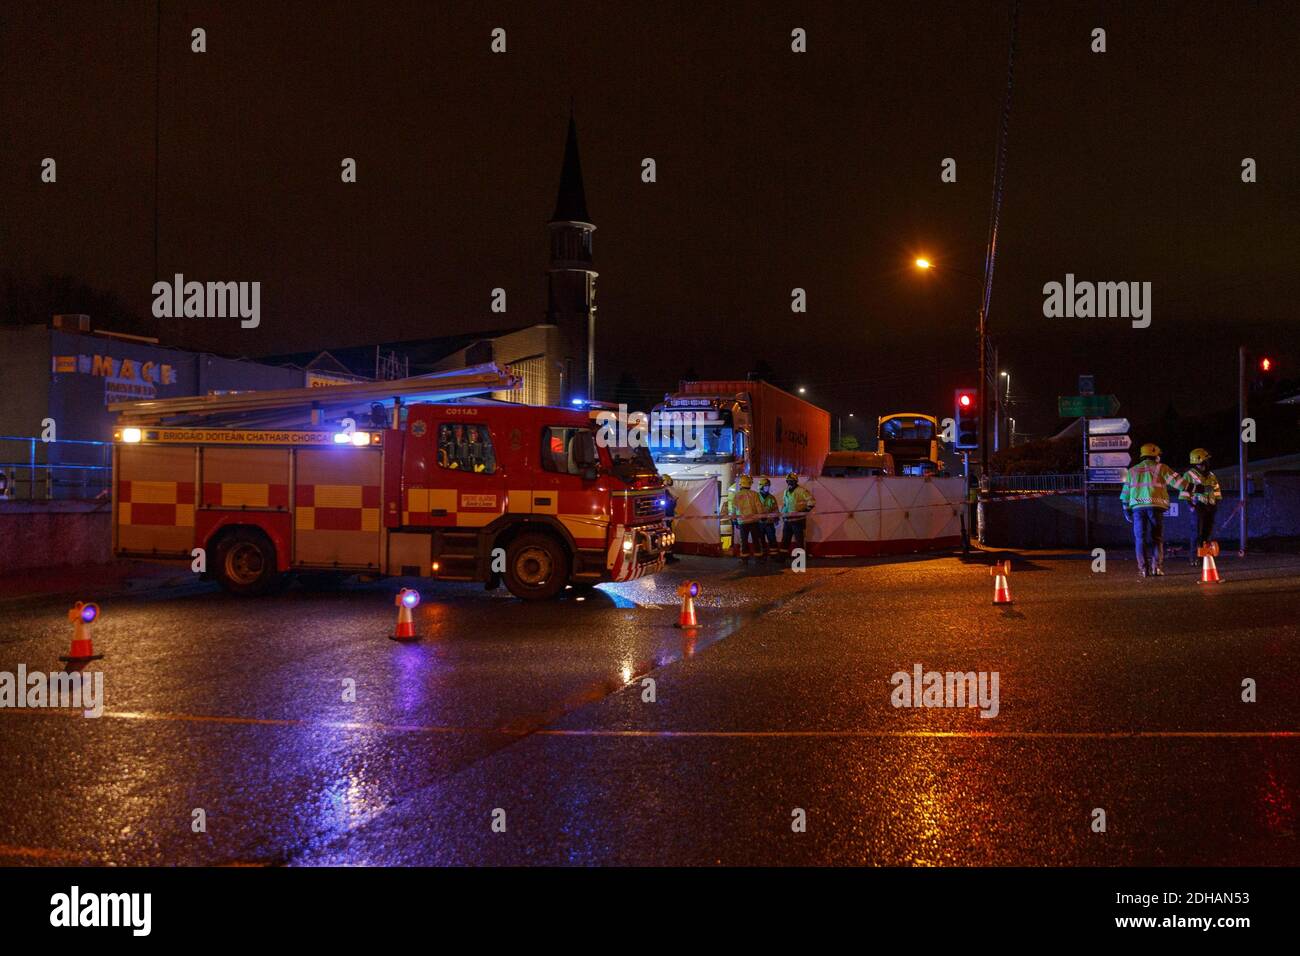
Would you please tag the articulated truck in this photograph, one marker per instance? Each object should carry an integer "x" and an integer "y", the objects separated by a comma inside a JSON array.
[
  {"x": 742, "y": 427},
  {"x": 376, "y": 479}
]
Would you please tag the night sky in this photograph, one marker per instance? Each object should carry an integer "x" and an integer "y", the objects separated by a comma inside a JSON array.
[{"x": 775, "y": 170}]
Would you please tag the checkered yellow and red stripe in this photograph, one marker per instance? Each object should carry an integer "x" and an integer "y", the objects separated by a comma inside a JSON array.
[
  {"x": 337, "y": 507},
  {"x": 168, "y": 503}
]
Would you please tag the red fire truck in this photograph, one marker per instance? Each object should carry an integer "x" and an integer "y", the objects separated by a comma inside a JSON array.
[{"x": 464, "y": 490}]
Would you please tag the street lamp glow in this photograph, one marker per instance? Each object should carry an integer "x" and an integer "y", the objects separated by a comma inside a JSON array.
[
  {"x": 923, "y": 263},
  {"x": 802, "y": 389}
]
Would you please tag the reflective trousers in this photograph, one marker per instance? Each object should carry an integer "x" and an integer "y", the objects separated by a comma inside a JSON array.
[
  {"x": 1149, "y": 537},
  {"x": 1202, "y": 527}
]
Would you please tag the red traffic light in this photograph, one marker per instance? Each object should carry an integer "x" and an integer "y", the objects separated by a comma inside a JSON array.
[
  {"x": 1266, "y": 365},
  {"x": 965, "y": 401}
]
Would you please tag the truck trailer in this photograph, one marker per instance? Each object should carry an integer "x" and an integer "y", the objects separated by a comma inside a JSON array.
[
  {"x": 743, "y": 427},
  {"x": 469, "y": 490}
]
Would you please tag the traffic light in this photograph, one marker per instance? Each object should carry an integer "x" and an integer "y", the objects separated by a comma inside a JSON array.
[
  {"x": 966, "y": 415},
  {"x": 1265, "y": 377}
]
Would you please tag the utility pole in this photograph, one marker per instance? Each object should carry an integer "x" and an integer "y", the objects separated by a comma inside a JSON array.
[
  {"x": 984, "y": 393},
  {"x": 1241, "y": 450}
]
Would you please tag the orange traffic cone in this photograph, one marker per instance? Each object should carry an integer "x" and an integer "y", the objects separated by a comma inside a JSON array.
[
  {"x": 1001, "y": 582},
  {"x": 83, "y": 648},
  {"x": 406, "y": 599},
  {"x": 1209, "y": 572},
  {"x": 689, "y": 592}
]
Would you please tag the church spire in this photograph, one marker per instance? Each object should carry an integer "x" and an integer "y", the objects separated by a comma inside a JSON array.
[{"x": 571, "y": 201}]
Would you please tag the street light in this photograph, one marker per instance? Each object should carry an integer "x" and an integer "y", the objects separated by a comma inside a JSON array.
[
  {"x": 802, "y": 389},
  {"x": 839, "y": 429},
  {"x": 926, "y": 265}
]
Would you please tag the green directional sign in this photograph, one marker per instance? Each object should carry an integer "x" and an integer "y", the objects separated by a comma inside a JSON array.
[{"x": 1086, "y": 406}]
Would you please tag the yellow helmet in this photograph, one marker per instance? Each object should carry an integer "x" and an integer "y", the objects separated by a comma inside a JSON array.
[
  {"x": 1150, "y": 450},
  {"x": 793, "y": 474},
  {"x": 1199, "y": 456},
  {"x": 746, "y": 481},
  {"x": 764, "y": 482}
]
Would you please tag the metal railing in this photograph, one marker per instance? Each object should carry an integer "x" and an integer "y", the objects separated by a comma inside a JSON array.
[
  {"x": 34, "y": 477},
  {"x": 1073, "y": 483},
  {"x": 1011, "y": 484}
]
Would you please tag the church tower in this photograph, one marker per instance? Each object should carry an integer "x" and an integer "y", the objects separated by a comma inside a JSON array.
[{"x": 570, "y": 279}]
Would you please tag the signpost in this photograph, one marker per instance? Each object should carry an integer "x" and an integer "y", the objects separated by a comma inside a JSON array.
[
  {"x": 1106, "y": 476},
  {"x": 1108, "y": 442},
  {"x": 1109, "y": 426},
  {"x": 1105, "y": 440},
  {"x": 1109, "y": 459},
  {"x": 1086, "y": 406}
]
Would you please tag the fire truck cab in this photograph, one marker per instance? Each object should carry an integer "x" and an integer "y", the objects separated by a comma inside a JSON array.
[{"x": 493, "y": 492}]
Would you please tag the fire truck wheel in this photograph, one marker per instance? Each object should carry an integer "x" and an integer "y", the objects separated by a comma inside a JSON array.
[
  {"x": 246, "y": 563},
  {"x": 537, "y": 567}
]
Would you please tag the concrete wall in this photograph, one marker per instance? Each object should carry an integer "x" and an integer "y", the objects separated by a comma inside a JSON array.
[
  {"x": 47, "y": 534},
  {"x": 1273, "y": 511}
]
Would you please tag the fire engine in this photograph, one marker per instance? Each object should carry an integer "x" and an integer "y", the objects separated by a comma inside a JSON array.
[{"x": 426, "y": 480}]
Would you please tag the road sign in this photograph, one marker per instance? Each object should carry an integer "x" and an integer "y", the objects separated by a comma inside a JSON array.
[
  {"x": 1108, "y": 426},
  {"x": 1109, "y": 459},
  {"x": 1111, "y": 476},
  {"x": 1109, "y": 442},
  {"x": 1086, "y": 406},
  {"x": 1087, "y": 385}
]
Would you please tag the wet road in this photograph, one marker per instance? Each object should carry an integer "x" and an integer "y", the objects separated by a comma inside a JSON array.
[{"x": 1113, "y": 694}]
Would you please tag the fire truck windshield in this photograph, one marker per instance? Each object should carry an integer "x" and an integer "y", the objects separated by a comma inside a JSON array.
[{"x": 630, "y": 463}]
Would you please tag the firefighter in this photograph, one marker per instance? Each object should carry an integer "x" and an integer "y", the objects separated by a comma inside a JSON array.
[
  {"x": 724, "y": 508},
  {"x": 795, "y": 505},
  {"x": 746, "y": 506},
  {"x": 670, "y": 514},
  {"x": 1145, "y": 499},
  {"x": 1201, "y": 491},
  {"x": 768, "y": 522}
]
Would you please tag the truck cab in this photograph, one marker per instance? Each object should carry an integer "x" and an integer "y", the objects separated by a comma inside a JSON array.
[{"x": 523, "y": 495}]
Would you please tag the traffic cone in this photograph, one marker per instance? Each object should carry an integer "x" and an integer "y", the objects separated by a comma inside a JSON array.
[
  {"x": 406, "y": 599},
  {"x": 83, "y": 648},
  {"x": 689, "y": 592},
  {"x": 1001, "y": 584},
  {"x": 1209, "y": 572}
]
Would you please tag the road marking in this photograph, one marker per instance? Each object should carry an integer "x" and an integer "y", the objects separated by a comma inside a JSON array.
[
  {"x": 1023, "y": 734},
  {"x": 42, "y": 853},
  {"x": 522, "y": 730}
]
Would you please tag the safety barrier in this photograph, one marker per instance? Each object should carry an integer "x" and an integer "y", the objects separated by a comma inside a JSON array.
[{"x": 854, "y": 517}]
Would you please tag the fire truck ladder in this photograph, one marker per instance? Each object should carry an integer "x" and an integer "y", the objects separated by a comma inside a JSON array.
[{"x": 288, "y": 407}]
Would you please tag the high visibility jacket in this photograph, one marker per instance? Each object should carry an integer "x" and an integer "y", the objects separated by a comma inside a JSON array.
[
  {"x": 797, "y": 500},
  {"x": 727, "y": 499},
  {"x": 770, "y": 506},
  {"x": 1202, "y": 487},
  {"x": 1144, "y": 485},
  {"x": 746, "y": 505}
]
